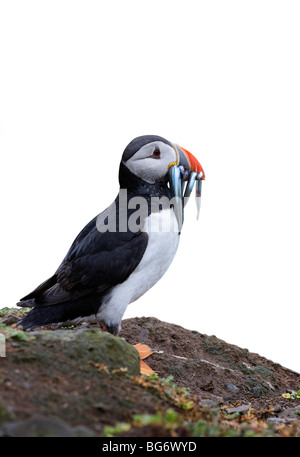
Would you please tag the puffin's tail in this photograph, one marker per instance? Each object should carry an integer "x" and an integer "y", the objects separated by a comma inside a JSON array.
[
  {"x": 36, "y": 317},
  {"x": 61, "y": 312}
]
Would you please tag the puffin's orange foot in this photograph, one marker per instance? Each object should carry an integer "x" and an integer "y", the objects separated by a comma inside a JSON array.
[
  {"x": 113, "y": 329},
  {"x": 102, "y": 326},
  {"x": 144, "y": 352}
]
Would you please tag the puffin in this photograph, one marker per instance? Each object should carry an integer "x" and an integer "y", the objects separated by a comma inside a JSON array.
[{"x": 126, "y": 249}]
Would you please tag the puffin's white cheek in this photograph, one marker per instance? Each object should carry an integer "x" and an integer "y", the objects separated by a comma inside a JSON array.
[{"x": 149, "y": 169}]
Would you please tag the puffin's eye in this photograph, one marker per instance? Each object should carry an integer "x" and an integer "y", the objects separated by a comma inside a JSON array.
[{"x": 156, "y": 153}]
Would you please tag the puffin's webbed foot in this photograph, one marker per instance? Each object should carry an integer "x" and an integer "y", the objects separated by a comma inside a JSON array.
[{"x": 114, "y": 329}]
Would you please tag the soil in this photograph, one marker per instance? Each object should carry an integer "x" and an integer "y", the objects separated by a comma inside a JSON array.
[
  {"x": 201, "y": 378},
  {"x": 209, "y": 366}
]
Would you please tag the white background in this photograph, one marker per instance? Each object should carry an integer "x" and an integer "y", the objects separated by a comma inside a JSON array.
[{"x": 80, "y": 79}]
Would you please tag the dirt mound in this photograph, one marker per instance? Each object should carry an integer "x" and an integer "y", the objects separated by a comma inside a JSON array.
[
  {"x": 208, "y": 366},
  {"x": 203, "y": 387}
]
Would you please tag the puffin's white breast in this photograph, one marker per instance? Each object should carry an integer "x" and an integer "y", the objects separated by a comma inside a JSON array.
[{"x": 162, "y": 229}]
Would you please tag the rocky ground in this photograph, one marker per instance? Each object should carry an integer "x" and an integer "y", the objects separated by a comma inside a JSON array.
[{"x": 81, "y": 381}]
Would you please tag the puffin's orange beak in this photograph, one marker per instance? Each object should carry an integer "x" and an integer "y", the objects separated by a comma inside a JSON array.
[{"x": 189, "y": 162}]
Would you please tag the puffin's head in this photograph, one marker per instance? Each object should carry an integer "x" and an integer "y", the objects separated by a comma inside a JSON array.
[
  {"x": 150, "y": 157},
  {"x": 155, "y": 160}
]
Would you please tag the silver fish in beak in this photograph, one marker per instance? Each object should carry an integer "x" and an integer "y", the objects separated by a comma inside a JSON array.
[{"x": 187, "y": 169}]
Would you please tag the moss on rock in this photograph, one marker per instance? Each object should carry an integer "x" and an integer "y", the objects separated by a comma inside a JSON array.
[{"x": 94, "y": 345}]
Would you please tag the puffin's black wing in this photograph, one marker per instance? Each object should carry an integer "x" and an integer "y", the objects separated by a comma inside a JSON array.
[{"x": 95, "y": 262}]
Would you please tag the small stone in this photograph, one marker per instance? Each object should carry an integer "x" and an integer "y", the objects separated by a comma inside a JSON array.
[
  {"x": 277, "y": 409},
  {"x": 15, "y": 344},
  {"x": 256, "y": 391},
  {"x": 212, "y": 402},
  {"x": 231, "y": 387},
  {"x": 143, "y": 336},
  {"x": 9, "y": 319},
  {"x": 292, "y": 412},
  {"x": 208, "y": 387},
  {"x": 103, "y": 407},
  {"x": 238, "y": 409},
  {"x": 276, "y": 420}
]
